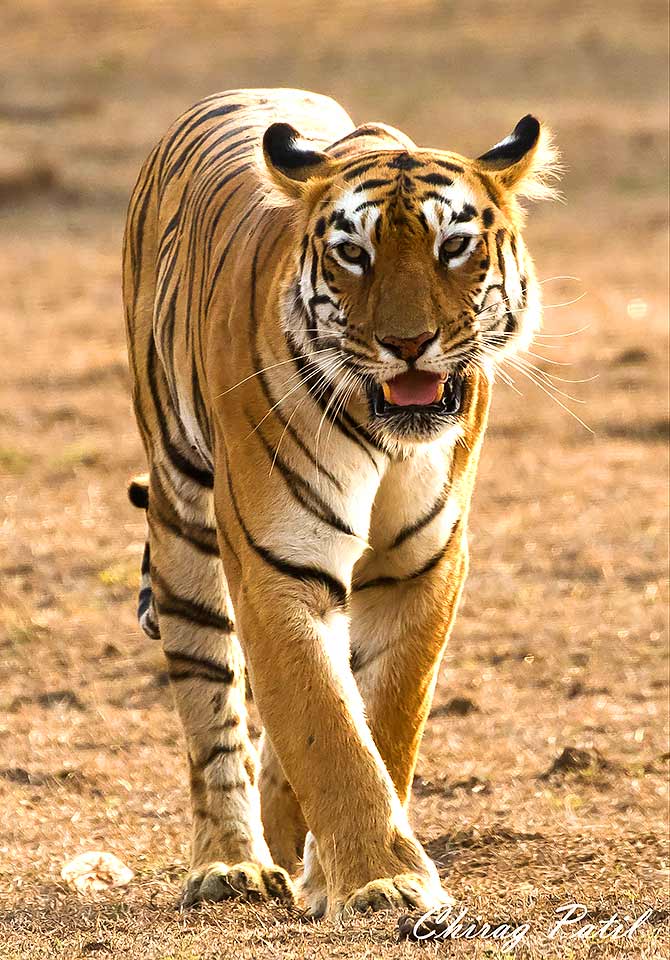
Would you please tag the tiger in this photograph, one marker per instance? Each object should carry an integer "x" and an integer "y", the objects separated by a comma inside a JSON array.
[{"x": 315, "y": 315}]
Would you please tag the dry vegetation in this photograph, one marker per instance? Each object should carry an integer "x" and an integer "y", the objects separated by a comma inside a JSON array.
[{"x": 561, "y": 642}]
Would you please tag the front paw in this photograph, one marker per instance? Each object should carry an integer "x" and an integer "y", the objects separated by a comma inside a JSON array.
[
  {"x": 396, "y": 893},
  {"x": 243, "y": 881}
]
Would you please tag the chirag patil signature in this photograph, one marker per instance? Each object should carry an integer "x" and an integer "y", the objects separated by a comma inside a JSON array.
[{"x": 453, "y": 922}]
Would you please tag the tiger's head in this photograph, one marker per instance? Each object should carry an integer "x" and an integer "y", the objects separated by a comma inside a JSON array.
[{"x": 409, "y": 269}]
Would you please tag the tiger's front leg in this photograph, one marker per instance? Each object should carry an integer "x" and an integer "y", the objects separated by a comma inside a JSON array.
[
  {"x": 407, "y": 589},
  {"x": 290, "y": 589}
]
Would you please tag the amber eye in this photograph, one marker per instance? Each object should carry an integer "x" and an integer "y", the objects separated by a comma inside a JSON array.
[
  {"x": 352, "y": 253},
  {"x": 453, "y": 247}
]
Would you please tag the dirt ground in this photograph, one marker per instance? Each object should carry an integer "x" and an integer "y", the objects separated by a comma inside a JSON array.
[{"x": 560, "y": 649}]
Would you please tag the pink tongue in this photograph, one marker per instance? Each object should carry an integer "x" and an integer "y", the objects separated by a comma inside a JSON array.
[{"x": 416, "y": 387}]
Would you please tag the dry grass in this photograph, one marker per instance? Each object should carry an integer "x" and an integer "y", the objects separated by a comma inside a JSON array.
[{"x": 561, "y": 642}]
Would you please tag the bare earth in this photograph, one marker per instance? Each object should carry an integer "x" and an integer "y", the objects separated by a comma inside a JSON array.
[{"x": 561, "y": 642}]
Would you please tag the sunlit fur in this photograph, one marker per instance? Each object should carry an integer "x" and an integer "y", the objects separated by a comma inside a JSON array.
[{"x": 293, "y": 533}]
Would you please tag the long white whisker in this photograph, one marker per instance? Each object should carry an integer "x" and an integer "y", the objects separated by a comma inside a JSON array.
[
  {"x": 303, "y": 380},
  {"x": 350, "y": 382},
  {"x": 281, "y": 363},
  {"x": 314, "y": 391},
  {"x": 325, "y": 412},
  {"x": 551, "y": 279},
  {"x": 553, "y": 396},
  {"x": 547, "y": 378},
  {"x": 484, "y": 315}
]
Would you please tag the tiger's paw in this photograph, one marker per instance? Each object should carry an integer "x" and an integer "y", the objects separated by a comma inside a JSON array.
[
  {"x": 396, "y": 893},
  {"x": 243, "y": 881}
]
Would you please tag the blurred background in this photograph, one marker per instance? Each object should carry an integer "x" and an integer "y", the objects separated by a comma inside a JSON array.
[{"x": 548, "y": 743}]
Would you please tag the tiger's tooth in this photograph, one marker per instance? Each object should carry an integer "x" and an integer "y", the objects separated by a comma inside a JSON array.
[
  {"x": 387, "y": 392},
  {"x": 440, "y": 391}
]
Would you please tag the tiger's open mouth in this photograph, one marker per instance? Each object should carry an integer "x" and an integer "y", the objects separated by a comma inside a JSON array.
[{"x": 419, "y": 391}]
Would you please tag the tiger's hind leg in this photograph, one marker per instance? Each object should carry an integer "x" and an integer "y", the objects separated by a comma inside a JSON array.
[
  {"x": 229, "y": 855},
  {"x": 283, "y": 822}
]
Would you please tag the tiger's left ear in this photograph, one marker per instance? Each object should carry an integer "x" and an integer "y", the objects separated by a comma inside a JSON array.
[
  {"x": 293, "y": 161},
  {"x": 526, "y": 162}
]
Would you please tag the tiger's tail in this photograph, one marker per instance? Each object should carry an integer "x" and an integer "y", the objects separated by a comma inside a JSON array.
[{"x": 138, "y": 493}]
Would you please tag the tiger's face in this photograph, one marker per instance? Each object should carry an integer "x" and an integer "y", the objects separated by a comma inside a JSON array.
[{"x": 411, "y": 272}]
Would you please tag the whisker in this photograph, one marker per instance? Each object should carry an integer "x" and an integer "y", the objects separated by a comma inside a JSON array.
[
  {"x": 325, "y": 412},
  {"x": 549, "y": 377},
  {"x": 566, "y": 277},
  {"x": 552, "y": 394},
  {"x": 314, "y": 391},
  {"x": 561, "y": 336},
  {"x": 547, "y": 306},
  {"x": 281, "y": 363},
  {"x": 303, "y": 381},
  {"x": 347, "y": 392},
  {"x": 535, "y": 376}
]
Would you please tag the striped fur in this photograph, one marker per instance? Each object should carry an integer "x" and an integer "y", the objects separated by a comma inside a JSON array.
[{"x": 295, "y": 531}]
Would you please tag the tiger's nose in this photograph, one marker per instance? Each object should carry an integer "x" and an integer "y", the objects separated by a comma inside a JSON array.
[{"x": 409, "y": 348}]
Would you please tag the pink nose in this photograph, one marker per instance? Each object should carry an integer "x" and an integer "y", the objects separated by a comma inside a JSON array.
[{"x": 409, "y": 348}]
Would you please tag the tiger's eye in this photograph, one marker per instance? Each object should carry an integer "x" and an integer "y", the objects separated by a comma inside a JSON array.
[
  {"x": 453, "y": 247},
  {"x": 352, "y": 253}
]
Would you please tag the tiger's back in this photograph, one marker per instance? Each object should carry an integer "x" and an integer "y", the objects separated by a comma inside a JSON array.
[{"x": 195, "y": 207}]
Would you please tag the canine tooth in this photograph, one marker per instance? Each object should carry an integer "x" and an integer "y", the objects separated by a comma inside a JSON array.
[
  {"x": 440, "y": 391},
  {"x": 387, "y": 392}
]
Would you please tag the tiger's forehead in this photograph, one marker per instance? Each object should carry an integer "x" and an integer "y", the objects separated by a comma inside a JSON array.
[{"x": 431, "y": 196}]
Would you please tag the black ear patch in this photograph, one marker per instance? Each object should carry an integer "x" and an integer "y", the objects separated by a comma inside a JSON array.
[
  {"x": 522, "y": 139},
  {"x": 284, "y": 148}
]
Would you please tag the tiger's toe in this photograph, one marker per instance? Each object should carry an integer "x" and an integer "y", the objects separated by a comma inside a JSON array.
[
  {"x": 395, "y": 893},
  {"x": 242, "y": 881}
]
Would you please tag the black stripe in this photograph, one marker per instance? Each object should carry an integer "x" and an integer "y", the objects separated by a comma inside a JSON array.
[
  {"x": 220, "y": 751},
  {"x": 181, "y": 463},
  {"x": 510, "y": 320},
  {"x": 304, "y": 493},
  {"x": 306, "y": 574},
  {"x": 426, "y": 568},
  {"x": 183, "y": 132},
  {"x": 491, "y": 192},
  {"x": 224, "y": 672},
  {"x": 434, "y": 195},
  {"x": 177, "y": 676},
  {"x": 448, "y": 165},
  {"x": 359, "y": 169},
  {"x": 435, "y": 179},
  {"x": 369, "y": 203},
  {"x": 499, "y": 239},
  {"x": 265, "y": 387},
  {"x": 338, "y": 219},
  {"x": 371, "y": 184},
  {"x": 222, "y": 259},
  {"x": 357, "y": 434},
  {"x": 138, "y": 233},
  {"x": 403, "y": 161},
  {"x": 423, "y": 521},
  {"x": 467, "y": 213},
  {"x": 320, "y": 299},
  {"x": 169, "y": 604},
  {"x": 201, "y": 537}
]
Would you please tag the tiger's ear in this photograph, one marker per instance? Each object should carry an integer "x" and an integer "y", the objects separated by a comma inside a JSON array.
[
  {"x": 526, "y": 162},
  {"x": 291, "y": 160}
]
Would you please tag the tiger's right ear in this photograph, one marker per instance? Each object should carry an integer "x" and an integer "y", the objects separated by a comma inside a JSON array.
[{"x": 292, "y": 161}]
